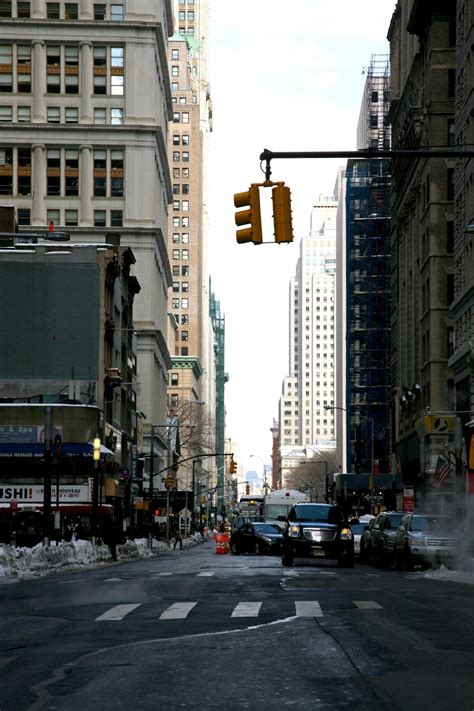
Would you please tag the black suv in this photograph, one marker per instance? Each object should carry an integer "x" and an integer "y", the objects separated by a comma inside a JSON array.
[{"x": 317, "y": 531}]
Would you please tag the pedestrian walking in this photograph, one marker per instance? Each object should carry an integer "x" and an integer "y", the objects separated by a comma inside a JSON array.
[
  {"x": 111, "y": 535},
  {"x": 178, "y": 538}
]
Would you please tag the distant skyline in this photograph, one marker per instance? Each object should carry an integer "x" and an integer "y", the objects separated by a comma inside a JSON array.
[{"x": 287, "y": 81}]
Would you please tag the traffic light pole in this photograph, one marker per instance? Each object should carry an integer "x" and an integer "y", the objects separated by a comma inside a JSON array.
[{"x": 367, "y": 154}]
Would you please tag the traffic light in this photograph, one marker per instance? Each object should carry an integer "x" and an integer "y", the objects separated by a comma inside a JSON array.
[
  {"x": 281, "y": 198},
  {"x": 233, "y": 466},
  {"x": 250, "y": 216},
  {"x": 247, "y": 489}
]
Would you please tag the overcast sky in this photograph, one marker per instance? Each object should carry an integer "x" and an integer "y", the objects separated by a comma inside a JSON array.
[{"x": 288, "y": 77}]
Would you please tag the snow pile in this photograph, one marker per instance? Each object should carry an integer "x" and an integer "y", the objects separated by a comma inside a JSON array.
[
  {"x": 453, "y": 576},
  {"x": 22, "y": 563}
]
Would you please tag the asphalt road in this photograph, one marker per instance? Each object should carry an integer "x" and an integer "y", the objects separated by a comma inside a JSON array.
[{"x": 193, "y": 630}]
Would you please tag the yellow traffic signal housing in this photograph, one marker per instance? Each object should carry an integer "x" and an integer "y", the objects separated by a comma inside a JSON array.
[
  {"x": 233, "y": 466},
  {"x": 251, "y": 216},
  {"x": 247, "y": 489},
  {"x": 281, "y": 198}
]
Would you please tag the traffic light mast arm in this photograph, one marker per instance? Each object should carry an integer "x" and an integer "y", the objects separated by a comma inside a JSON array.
[
  {"x": 196, "y": 456},
  {"x": 367, "y": 154}
]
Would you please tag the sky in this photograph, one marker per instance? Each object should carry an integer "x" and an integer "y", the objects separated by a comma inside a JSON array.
[{"x": 287, "y": 77}]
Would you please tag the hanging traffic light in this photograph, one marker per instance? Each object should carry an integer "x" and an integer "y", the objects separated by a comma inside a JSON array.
[
  {"x": 247, "y": 489},
  {"x": 233, "y": 466},
  {"x": 251, "y": 216},
  {"x": 281, "y": 198}
]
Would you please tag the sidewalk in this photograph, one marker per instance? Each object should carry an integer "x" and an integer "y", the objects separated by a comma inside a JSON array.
[{"x": 26, "y": 563}]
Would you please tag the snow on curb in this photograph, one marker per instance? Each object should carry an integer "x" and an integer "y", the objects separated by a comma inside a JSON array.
[
  {"x": 452, "y": 576},
  {"x": 21, "y": 563}
]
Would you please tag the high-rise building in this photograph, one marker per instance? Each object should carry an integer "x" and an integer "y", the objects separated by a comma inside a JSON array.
[
  {"x": 304, "y": 422},
  {"x": 85, "y": 103}
]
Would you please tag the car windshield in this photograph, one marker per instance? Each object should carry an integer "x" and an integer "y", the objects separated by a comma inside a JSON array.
[
  {"x": 431, "y": 523},
  {"x": 266, "y": 528},
  {"x": 317, "y": 512},
  {"x": 358, "y": 528},
  {"x": 395, "y": 519}
]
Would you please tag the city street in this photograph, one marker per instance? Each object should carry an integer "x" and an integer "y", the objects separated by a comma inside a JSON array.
[{"x": 194, "y": 630}]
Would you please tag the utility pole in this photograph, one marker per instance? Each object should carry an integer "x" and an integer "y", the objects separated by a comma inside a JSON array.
[{"x": 48, "y": 437}]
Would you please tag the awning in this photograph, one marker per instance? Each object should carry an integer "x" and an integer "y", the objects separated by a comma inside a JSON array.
[{"x": 36, "y": 449}]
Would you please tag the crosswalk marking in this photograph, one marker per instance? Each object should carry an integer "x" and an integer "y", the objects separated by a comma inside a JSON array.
[
  {"x": 178, "y": 611},
  {"x": 117, "y": 613},
  {"x": 163, "y": 575},
  {"x": 247, "y": 609},
  {"x": 367, "y": 604},
  {"x": 308, "y": 608},
  {"x": 205, "y": 575}
]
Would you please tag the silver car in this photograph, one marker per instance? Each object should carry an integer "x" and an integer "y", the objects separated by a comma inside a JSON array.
[{"x": 425, "y": 539}]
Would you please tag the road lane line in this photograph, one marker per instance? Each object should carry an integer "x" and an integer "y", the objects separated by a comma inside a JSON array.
[
  {"x": 6, "y": 660},
  {"x": 308, "y": 608},
  {"x": 162, "y": 575},
  {"x": 117, "y": 613},
  {"x": 367, "y": 604},
  {"x": 178, "y": 611},
  {"x": 247, "y": 609},
  {"x": 205, "y": 575}
]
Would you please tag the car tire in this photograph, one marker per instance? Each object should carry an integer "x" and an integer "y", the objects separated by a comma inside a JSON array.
[
  {"x": 363, "y": 555},
  {"x": 345, "y": 561},
  {"x": 258, "y": 549},
  {"x": 235, "y": 549},
  {"x": 287, "y": 559}
]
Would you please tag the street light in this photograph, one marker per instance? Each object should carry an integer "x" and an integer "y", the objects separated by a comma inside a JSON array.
[
  {"x": 371, "y": 420},
  {"x": 265, "y": 485}
]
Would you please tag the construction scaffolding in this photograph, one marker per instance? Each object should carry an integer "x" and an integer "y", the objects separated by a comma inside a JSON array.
[{"x": 368, "y": 283}]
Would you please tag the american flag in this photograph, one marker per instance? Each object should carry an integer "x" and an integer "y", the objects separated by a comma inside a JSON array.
[{"x": 442, "y": 471}]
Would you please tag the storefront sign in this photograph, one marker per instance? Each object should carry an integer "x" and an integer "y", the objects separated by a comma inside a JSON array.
[
  {"x": 34, "y": 493},
  {"x": 409, "y": 498}
]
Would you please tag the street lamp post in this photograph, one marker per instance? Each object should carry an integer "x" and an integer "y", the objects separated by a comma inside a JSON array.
[{"x": 371, "y": 420}]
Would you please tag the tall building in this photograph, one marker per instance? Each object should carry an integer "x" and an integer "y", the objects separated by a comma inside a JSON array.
[
  {"x": 85, "y": 103},
  {"x": 304, "y": 422},
  {"x": 366, "y": 259},
  {"x": 422, "y": 113}
]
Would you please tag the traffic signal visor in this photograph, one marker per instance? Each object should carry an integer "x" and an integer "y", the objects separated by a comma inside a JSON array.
[
  {"x": 250, "y": 216},
  {"x": 233, "y": 466},
  {"x": 281, "y": 198}
]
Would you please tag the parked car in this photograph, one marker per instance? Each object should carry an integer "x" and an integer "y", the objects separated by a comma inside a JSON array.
[
  {"x": 259, "y": 538},
  {"x": 380, "y": 546},
  {"x": 358, "y": 528},
  {"x": 242, "y": 519},
  {"x": 364, "y": 543},
  {"x": 425, "y": 540},
  {"x": 317, "y": 531}
]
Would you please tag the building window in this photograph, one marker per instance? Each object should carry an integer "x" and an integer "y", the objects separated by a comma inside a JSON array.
[
  {"x": 100, "y": 173},
  {"x": 72, "y": 114},
  {"x": 185, "y": 205},
  {"x": 24, "y": 171},
  {"x": 176, "y": 254},
  {"x": 174, "y": 86},
  {"x": 70, "y": 11},
  {"x": 53, "y": 114},
  {"x": 175, "y": 303},
  {"x": 23, "y": 68},
  {"x": 116, "y": 117},
  {"x": 185, "y": 237},
  {"x": 175, "y": 204},
  {"x": 53, "y": 69},
  {"x": 71, "y": 218},
  {"x": 175, "y": 287},
  {"x": 185, "y": 188},
  {"x": 176, "y": 222},
  {"x": 174, "y": 379},
  {"x": 71, "y": 172},
  {"x": 185, "y": 221},
  {"x": 6, "y": 68},
  {"x": 23, "y": 9},
  {"x": 6, "y": 114},
  {"x": 52, "y": 10},
  {"x": 53, "y": 217},
  {"x": 53, "y": 171},
  {"x": 176, "y": 156},
  {"x": 24, "y": 114},
  {"x": 184, "y": 303},
  {"x": 185, "y": 156},
  {"x": 116, "y": 218},
  {"x": 99, "y": 218},
  {"x": 176, "y": 139},
  {"x": 185, "y": 254},
  {"x": 176, "y": 116},
  {"x": 175, "y": 269},
  {"x": 116, "y": 173},
  {"x": 185, "y": 117},
  {"x": 185, "y": 335},
  {"x": 99, "y": 11},
  {"x": 175, "y": 54},
  {"x": 185, "y": 139},
  {"x": 100, "y": 116},
  {"x": 176, "y": 187},
  {"x": 175, "y": 70},
  {"x": 23, "y": 215},
  {"x": 100, "y": 70},
  {"x": 185, "y": 271},
  {"x": 185, "y": 286},
  {"x": 116, "y": 13},
  {"x": 184, "y": 319}
]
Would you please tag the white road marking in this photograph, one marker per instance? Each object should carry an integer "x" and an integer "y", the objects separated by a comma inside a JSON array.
[
  {"x": 178, "y": 611},
  {"x": 117, "y": 613},
  {"x": 367, "y": 604},
  {"x": 205, "y": 575},
  {"x": 65, "y": 582},
  {"x": 247, "y": 609},
  {"x": 112, "y": 580},
  {"x": 291, "y": 573},
  {"x": 162, "y": 575},
  {"x": 308, "y": 608}
]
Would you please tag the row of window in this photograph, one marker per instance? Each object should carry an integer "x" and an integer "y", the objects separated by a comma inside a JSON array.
[
  {"x": 62, "y": 11},
  {"x": 62, "y": 69},
  {"x": 62, "y": 172},
  {"x": 70, "y": 218},
  {"x": 68, "y": 114}
]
